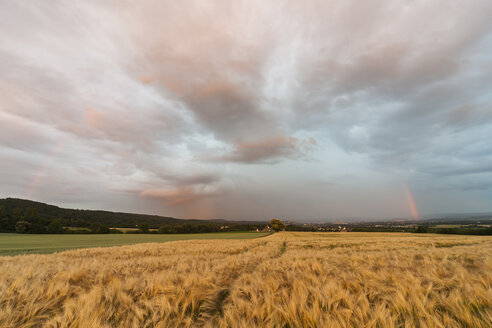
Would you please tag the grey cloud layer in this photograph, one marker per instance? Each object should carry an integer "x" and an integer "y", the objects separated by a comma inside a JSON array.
[{"x": 168, "y": 104}]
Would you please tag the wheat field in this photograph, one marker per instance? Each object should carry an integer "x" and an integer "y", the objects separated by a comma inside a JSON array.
[{"x": 286, "y": 279}]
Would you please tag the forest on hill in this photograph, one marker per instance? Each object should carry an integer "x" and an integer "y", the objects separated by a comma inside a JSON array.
[{"x": 27, "y": 216}]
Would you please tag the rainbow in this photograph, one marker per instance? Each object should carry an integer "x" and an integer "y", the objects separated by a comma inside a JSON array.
[
  {"x": 40, "y": 173},
  {"x": 411, "y": 202}
]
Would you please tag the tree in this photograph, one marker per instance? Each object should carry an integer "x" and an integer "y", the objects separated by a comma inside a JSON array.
[
  {"x": 143, "y": 227},
  {"x": 277, "y": 225},
  {"x": 422, "y": 229},
  {"x": 31, "y": 214},
  {"x": 99, "y": 228},
  {"x": 22, "y": 226},
  {"x": 167, "y": 228},
  {"x": 17, "y": 213},
  {"x": 55, "y": 226}
]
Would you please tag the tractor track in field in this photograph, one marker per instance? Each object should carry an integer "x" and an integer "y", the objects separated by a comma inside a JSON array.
[{"x": 213, "y": 308}]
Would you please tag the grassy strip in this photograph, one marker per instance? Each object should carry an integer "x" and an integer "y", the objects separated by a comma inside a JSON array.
[{"x": 15, "y": 244}]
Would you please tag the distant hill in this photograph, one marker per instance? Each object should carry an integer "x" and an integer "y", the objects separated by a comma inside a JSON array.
[{"x": 40, "y": 214}]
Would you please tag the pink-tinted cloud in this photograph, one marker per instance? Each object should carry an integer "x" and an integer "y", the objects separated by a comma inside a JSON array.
[
  {"x": 269, "y": 150},
  {"x": 183, "y": 195},
  {"x": 146, "y": 79},
  {"x": 95, "y": 118}
]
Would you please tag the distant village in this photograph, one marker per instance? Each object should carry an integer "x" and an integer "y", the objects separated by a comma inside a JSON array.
[{"x": 438, "y": 225}]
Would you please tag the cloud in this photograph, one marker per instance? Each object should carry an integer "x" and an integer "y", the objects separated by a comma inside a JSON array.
[
  {"x": 140, "y": 91},
  {"x": 180, "y": 196},
  {"x": 200, "y": 179},
  {"x": 269, "y": 150},
  {"x": 25, "y": 135},
  {"x": 146, "y": 79},
  {"x": 95, "y": 118}
]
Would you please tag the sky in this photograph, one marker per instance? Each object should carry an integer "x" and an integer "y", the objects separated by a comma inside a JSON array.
[{"x": 246, "y": 110}]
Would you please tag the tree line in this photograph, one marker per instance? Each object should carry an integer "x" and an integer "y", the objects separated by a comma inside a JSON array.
[{"x": 23, "y": 216}]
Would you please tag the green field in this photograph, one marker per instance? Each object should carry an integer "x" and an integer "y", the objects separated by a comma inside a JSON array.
[{"x": 15, "y": 244}]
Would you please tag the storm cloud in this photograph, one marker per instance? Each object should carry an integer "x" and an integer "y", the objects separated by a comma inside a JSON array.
[{"x": 248, "y": 109}]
